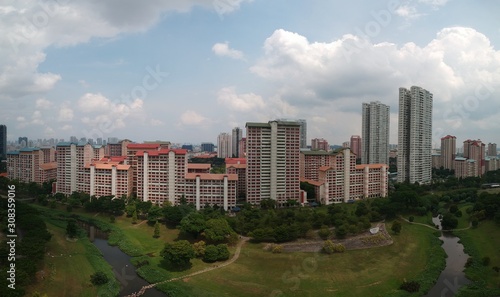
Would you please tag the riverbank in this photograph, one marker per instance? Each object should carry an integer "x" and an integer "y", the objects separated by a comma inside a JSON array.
[
  {"x": 67, "y": 267},
  {"x": 481, "y": 243}
]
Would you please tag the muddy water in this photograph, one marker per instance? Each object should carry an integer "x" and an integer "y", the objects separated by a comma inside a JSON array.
[{"x": 452, "y": 278}]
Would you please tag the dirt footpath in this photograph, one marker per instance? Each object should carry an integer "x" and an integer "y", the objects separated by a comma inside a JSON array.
[{"x": 361, "y": 241}]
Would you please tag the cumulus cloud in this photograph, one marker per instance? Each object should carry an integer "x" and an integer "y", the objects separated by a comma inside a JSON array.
[
  {"x": 223, "y": 49},
  {"x": 106, "y": 115},
  {"x": 43, "y": 103},
  {"x": 27, "y": 28},
  {"x": 338, "y": 76},
  {"x": 191, "y": 117},
  {"x": 65, "y": 114},
  {"x": 239, "y": 102}
]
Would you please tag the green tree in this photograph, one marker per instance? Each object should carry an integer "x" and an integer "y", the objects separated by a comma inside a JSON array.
[
  {"x": 211, "y": 253},
  {"x": 157, "y": 230},
  {"x": 324, "y": 232},
  {"x": 218, "y": 230},
  {"x": 154, "y": 213},
  {"x": 341, "y": 231},
  {"x": 178, "y": 253},
  {"x": 223, "y": 252},
  {"x": 99, "y": 278},
  {"x": 449, "y": 221},
  {"x": 199, "y": 248},
  {"x": 134, "y": 217},
  {"x": 396, "y": 227},
  {"x": 193, "y": 224},
  {"x": 71, "y": 228}
]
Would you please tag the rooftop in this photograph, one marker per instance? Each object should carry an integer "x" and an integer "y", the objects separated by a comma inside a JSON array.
[{"x": 210, "y": 176}]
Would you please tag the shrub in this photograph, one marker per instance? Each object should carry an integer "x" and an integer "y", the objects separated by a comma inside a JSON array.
[
  {"x": 277, "y": 249},
  {"x": 329, "y": 247},
  {"x": 199, "y": 248},
  {"x": 324, "y": 232},
  {"x": 223, "y": 252},
  {"x": 469, "y": 262},
  {"x": 211, "y": 253},
  {"x": 496, "y": 268},
  {"x": 485, "y": 261},
  {"x": 411, "y": 219},
  {"x": 458, "y": 214},
  {"x": 474, "y": 222},
  {"x": 411, "y": 286},
  {"x": 99, "y": 278},
  {"x": 396, "y": 227}
]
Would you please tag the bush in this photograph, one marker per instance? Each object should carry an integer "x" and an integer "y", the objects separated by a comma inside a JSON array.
[
  {"x": 329, "y": 247},
  {"x": 211, "y": 253},
  {"x": 396, "y": 227},
  {"x": 453, "y": 208},
  {"x": 324, "y": 232},
  {"x": 222, "y": 252},
  {"x": 199, "y": 248},
  {"x": 411, "y": 286},
  {"x": 411, "y": 219},
  {"x": 458, "y": 214},
  {"x": 341, "y": 231},
  {"x": 485, "y": 261},
  {"x": 277, "y": 249},
  {"x": 469, "y": 262},
  {"x": 99, "y": 278},
  {"x": 474, "y": 222}
]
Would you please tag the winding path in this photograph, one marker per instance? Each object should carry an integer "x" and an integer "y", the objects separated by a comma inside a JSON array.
[
  {"x": 234, "y": 258},
  {"x": 434, "y": 228}
]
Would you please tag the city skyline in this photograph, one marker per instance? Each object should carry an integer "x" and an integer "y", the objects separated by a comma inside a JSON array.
[{"x": 186, "y": 70}]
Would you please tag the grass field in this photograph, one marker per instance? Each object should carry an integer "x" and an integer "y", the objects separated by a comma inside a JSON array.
[
  {"x": 484, "y": 241},
  {"x": 370, "y": 272},
  {"x": 66, "y": 268}
]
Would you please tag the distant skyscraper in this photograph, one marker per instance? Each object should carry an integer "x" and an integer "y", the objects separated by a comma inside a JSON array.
[
  {"x": 273, "y": 157},
  {"x": 23, "y": 141},
  {"x": 448, "y": 151},
  {"x": 319, "y": 144},
  {"x": 3, "y": 142},
  {"x": 375, "y": 133},
  {"x": 224, "y": 146},
  {"x": 475, "y": 150},
  {"x": 237, "y": 135},
  {"x": 207, "y": 147},
  {"x": 346, "y": 144},
  {"x": 356, "y": 145},
  {"x": 415, "y": 135},
  {"x": 492, "y": 149}
]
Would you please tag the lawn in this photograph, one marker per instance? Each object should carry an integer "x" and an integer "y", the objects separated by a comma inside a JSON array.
[
  {"x": 66, "y": 268},
  {"x": 484, "y": 241},
  {"x": 369, "y": 272}
]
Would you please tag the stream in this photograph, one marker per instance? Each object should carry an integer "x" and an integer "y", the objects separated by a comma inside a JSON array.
[
  {"x": 130, "y": 281},
  {"x": 452, "y": 277}
]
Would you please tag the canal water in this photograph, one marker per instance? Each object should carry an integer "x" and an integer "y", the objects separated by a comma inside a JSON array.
[
  {"x": 130, "y": 281},
  {"x": 452, "y": 278}
]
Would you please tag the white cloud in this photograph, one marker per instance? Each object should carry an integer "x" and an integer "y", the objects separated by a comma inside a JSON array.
[
  {"x": 27, "y": 28},
  {"x": 434, "y": 3},
  {"x": 336, "y": 77},
  {"x": 66, "y": 127},
  {"x": 155, "y": 122},
  {"x": 407, "y": 12},
  {"x": 43, "y": 103},
  {"x": 65, "y": 114},
  {"x": 107, "y": 115},
  {"x": 191, "y": 117},
  {"x": 239, "y": 102},
  {"x": 222, "y": 49}
]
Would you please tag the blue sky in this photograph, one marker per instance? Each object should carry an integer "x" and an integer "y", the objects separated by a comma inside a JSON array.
[{"x": 185, "y": 71}]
